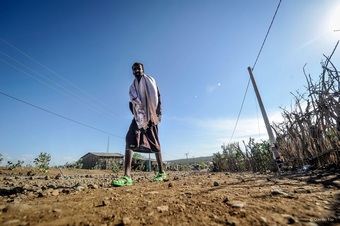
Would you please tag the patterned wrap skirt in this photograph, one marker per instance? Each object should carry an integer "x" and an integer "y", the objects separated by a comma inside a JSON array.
[{"x": 145, "y": 141}]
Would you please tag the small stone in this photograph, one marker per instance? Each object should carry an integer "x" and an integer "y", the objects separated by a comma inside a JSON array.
[
  {"x": 79, "y": 188},
  {"x": 237, "y": 205},
  {"x": 231, "y": 223},
  {"x": 126, "y": 221},
  {"x": 66, "y": 191},
  {"x": 264, "y": 219},
  {"x": 336, "y": 182},
  {"x": 162, "y": 209},
  {"x": 106, "y": 203},
  {"x": 216, "y": 183},
  {"x": 55, "y": 193},
  {"x": 278, "y": 192},
  {"x": 12, "y": 222},
  {"x": 225, "y": 199},
  {"x": 40, "y": 194},
  {"x": 290, "y": 219},
  {"x": 170, "y": 185}
]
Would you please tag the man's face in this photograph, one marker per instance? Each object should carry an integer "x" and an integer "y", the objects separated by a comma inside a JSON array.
[{"x": 137, "y": 71}]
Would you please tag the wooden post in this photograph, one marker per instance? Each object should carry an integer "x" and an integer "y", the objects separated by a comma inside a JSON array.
[
  {"x": 263, "y": 111},
  {"x": 272, "y": 140}
]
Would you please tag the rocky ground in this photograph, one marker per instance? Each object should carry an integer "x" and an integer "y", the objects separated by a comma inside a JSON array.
[{"x": 85, "y": 197}]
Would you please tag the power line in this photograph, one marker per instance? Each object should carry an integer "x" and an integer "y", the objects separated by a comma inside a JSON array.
[
  {"x": 258, "y": 55},
  {"x": 67, "y": 81},
  {"x": 85, "y": 102},
  {"x": 61, "y": 116},
  {"x": 69, "y": 119},
  {"x": 239, "y": 114},
  {"x": 265, "y": 39},
  {"x": 58, "y": 85}
]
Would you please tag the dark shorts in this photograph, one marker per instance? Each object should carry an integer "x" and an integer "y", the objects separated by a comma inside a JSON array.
[{"x": 142, "y": 141}]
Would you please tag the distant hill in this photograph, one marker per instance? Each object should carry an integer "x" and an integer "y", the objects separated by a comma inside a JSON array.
[{"x": 191, "y": 160}]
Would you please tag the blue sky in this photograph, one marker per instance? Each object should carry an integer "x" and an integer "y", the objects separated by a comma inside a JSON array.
[{"x": 73, "y": 58}]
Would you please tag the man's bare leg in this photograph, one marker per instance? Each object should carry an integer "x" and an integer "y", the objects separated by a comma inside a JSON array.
[
  {"x": 159, "y": 162},
  {"x": 128, "y": 162}
]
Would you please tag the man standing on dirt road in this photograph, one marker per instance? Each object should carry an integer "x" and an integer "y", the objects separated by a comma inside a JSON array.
[{"x": 145, "y": 105}]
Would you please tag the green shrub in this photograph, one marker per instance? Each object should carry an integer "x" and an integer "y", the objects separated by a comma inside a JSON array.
[{"x": 42, "y": 162}]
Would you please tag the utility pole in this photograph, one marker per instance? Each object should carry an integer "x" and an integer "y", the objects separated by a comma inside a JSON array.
[
  {"x": 272, "y": 140},
  {"x": 108, "y": 144},
  {"x": 149, "y": 163}
]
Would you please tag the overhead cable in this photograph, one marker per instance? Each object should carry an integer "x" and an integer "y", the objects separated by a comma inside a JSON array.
[
  {"x": 69, "y": 119},
  {"x": 265, "y": 38},
  {"x": 85, "y": 103},
  {"x": 53, "y": 72},
  {"x": 61, "y": 116},
  {"x": 239, "y": 114},
  {"x": 258, "y": 55}
]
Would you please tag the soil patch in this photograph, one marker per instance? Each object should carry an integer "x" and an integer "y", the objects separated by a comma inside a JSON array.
[{"x": 86, "y": 197}]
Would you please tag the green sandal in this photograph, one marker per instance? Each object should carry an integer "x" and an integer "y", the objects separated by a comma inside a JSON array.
[
  {"x": 123, "y": 181},
  {"x": 159, "y": 177}
]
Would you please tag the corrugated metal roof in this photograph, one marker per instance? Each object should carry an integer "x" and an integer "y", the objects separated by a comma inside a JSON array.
[{"x": 105, "y": 154}]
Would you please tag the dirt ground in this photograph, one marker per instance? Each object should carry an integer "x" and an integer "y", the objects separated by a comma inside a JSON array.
[{"x": 85, "y": 197}]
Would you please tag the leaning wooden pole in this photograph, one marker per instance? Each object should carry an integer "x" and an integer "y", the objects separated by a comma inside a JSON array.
[
  {"x": 263, "y": 111},
  {"x": 272, "y": 140}
]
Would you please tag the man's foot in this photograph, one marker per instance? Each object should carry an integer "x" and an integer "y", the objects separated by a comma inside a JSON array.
[
  {"x": 123, "y": 181},
  {"x": 159, "y": 177}
]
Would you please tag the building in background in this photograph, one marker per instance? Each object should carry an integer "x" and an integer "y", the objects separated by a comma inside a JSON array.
[{"x": 101, "y": 160}]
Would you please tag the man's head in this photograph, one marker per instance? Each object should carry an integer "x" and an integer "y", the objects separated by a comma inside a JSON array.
[{"x": 138, "y": 70}]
